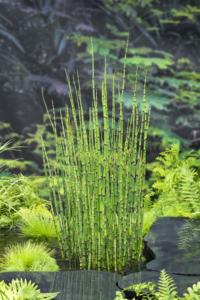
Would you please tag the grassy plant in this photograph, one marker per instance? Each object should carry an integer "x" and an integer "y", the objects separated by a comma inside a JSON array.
[
  {"x": 28, "y": 257},
  {"x": 100, "y": 215},
  {"x": 5, "y": 148},
  {"x": 37, "y": 224}
]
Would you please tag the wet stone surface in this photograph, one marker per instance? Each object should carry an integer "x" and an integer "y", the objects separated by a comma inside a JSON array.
[
  {"x": 176, "y": 245},
  {"x": 182, "y": 282},
  {"x": 73, "y": 285}
]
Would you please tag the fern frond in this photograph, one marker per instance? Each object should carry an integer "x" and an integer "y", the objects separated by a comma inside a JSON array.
[
  {"x": 189, "y": 189},
  {"x": 147, "y": 200},
  {"x": 188, "y": 232},
  {"x": 170, "y": 155},
  {"x": 166, "y": 286}
]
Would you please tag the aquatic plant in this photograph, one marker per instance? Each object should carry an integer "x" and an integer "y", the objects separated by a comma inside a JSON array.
[
  {"x": 21, "y": 290},
  {"x": 28, "y": 256},
  {"x": 165, "y": 290},
  {"x": 100, "y": 215}
]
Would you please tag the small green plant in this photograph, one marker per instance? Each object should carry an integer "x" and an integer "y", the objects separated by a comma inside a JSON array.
[
  {"x": 166, "y": 289},
  {"x": 37, "y": 223},
  {"x": 28, "y": 256},
  {"x": 21, "y": 290}
]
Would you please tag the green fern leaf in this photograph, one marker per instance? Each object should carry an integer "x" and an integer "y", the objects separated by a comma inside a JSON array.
[{"x": 165, "y": 287}]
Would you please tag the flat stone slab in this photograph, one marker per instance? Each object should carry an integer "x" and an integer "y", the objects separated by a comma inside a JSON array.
[
  {"x": 166, "y": 245},
  {"x": 73, "y": 285}
]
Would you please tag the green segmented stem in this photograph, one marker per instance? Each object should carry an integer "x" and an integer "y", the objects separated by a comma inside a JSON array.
[{"x": 100, "y": 213}]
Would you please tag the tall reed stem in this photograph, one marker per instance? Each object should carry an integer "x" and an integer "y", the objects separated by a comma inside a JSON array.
[{"x": 100, "y": 214}]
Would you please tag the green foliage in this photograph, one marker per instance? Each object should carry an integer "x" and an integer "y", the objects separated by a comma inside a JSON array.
[
  {"x": 159, "y": 88},
  {"x": 5, "y": 147},
  {"x": 115, "y": 31},
  {"x": 156, "y": 100},
  {"x": 100, "y": 45},
  {"x": 17, "y": 193},
  {"x": 14, "y": 163},
  {"x": 28, "y": 256},
  {"x": 166, "y": 289},
  {"x": 21, "y": 290},
  {"x": 125, "y": 5},
  {"x": 177, "y": 185},
  {"x": 178, "y": 83},
  {"x": 42, "y": 131},
  {"x": 22, "y": 165},
  {"x": 194, "y": 292},
  {"x": 162, "y": 138},
  {"x": 32, "y": 138},
  {"x": 83, "y": 182},
  {"x": 147, "y": 62},
  {"x": 41, "y": 184},
  {"x": 160, "y": 23},
  {"x": 37, "y": 223},
  {"x": 189, "y": 75},
  {"x": 188, "y": 233},
  {"x": 141, "y": 287},
  {"x": 189, "y": 12},
  {"x": 150, "y": 216}
]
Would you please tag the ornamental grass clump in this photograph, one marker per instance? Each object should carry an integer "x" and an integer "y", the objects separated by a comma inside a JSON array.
[
  {"x": 100, "y": 213},
  {"x": 29, "y": 257},
  {"x": 38, "y": 224}
]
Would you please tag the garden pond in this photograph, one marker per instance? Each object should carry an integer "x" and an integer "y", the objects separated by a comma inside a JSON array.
[{"x": 172, "y": 243}]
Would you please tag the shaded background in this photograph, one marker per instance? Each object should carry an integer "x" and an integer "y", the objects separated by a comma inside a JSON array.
[{"x": 39, "y": 39}]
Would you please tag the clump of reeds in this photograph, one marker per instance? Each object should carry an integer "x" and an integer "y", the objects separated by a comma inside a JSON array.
[{"x": 100, "y": 214}]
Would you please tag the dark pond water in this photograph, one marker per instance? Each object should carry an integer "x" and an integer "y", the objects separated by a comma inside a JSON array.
[
  {"x": 13, "y": 236},
  {"x": 176, "y": 245},
  {"x": 173, "y": 244},
  {"x": 72, "y": 282}
]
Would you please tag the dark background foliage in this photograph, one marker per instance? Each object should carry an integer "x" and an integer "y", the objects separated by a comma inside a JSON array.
[{"x": 39, "y": 39}]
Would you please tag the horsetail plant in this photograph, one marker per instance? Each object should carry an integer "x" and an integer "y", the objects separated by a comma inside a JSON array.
[{"x": 100, "y": 214}]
